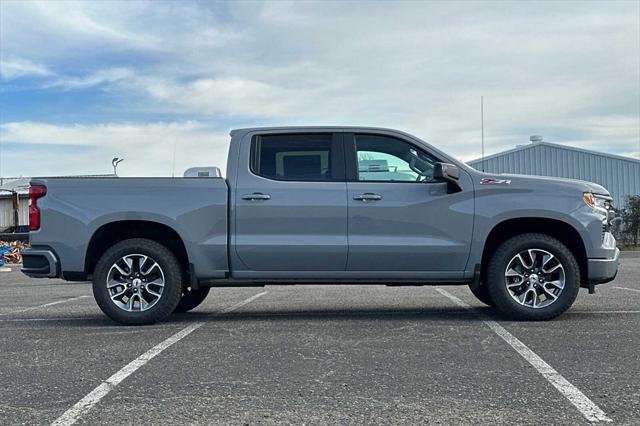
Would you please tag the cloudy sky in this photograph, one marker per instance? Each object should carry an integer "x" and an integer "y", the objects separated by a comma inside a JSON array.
[{"x": 84, "y": 82}]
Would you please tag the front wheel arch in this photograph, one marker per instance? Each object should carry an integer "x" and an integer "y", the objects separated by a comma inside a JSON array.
[{"x": 553, "y": 228}]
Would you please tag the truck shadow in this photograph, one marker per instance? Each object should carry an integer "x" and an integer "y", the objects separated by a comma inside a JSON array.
[
  {"x": 295, "y": 315},
  {"x": 449, "y": 315},
  {"x": 378, "y": 314}
]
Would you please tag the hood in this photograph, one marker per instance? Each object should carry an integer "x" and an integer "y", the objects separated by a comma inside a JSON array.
[
  {"x": 581, "y": 185},
  {"x": 554, "y": 184}
]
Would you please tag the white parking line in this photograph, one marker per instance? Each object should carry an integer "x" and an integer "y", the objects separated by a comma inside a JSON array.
[
  {"x": 588, "y": 408},
  {"x": 241, "y": 304},
  {"x": 601, "y": 312},
  {"x": 627, "y": 288},
  {"x": 31, "y": 308},
  {"x": 92, "y": 398},
  {"x": 43, "y": 319},
  {"x": 73, "y": 414}
]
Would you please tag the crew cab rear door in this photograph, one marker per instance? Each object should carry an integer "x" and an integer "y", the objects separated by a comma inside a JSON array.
[
  {"x": 400, "y": 218},
  {"x": 291, "y": 203}
]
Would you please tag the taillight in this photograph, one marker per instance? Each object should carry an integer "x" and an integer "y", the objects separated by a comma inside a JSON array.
[{"x": 35, "y": 192}]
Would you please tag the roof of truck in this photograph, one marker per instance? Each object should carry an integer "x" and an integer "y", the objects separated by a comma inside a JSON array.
[{"x": 315, "y": 128}]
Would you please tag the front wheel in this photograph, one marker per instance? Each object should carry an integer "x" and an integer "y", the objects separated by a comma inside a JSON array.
[
  {"x": 137, "y": 282},
  {"x": 533, "y": 277}
]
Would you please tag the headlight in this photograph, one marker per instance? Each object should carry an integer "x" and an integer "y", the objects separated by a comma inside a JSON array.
[{"x": 599, "y": 203}]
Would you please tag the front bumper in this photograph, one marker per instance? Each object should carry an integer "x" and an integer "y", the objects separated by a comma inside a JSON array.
[
  {"x": 40, "y": 263},
  {"x": 603, "y": 270}
]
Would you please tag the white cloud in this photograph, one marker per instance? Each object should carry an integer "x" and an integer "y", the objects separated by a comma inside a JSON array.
[
  {"x": 34, "y": 148},
  {"x": 64, "y": 29},
  {"x": 15, "y": 67},
  {"x": 106, "y": 76},
  {"x": 233, "y": 96}
]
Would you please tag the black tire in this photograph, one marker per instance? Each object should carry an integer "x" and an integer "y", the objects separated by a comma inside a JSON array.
[
  {"x": 497, "y": 284},
  {"x": 170, "y": 295},
  {"x": 191, "y": 299},
  {"x": 481, "y": 292}
]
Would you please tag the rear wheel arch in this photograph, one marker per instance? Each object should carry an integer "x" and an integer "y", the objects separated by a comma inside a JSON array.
[
  {"x": 562, "y": 231},
  {"x": 112, "y": 233}
]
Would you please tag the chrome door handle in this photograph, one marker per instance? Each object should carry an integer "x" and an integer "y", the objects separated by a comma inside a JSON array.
[
  {"x": 256, "y": 196},
  {"x": 367, "y": 196}
]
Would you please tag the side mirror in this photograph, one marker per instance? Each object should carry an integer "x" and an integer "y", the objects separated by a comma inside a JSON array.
[
  {"x": 449, "y": 173},
  {"x": 446, "y": 172}
]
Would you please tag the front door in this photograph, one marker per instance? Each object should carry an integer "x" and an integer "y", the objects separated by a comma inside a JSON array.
[
  {"x": 400, "y": 219},
  {"x": 290, "y": 204}
]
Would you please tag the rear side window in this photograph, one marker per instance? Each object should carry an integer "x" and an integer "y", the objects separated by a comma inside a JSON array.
[{"x": 298, "y": 157}]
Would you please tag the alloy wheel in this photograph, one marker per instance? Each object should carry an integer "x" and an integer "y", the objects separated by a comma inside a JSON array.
[
  {"x": 135, "y": 283},
  {"x": 534, "y": 278}
]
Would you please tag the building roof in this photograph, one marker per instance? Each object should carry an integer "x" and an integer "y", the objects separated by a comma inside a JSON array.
[
  {"x": 554, "y": 146},
  {"x": 19, "y": 185}
]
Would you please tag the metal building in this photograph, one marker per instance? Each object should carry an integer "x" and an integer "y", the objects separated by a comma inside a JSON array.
[
  {"x": 9, "y": 188},
  {"x": 619, "y": 174}
]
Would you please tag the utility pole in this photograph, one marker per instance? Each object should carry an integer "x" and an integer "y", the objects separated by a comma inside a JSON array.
[
  {"x": 482, "y": 127},
  {"x": 173, "y": 161}
]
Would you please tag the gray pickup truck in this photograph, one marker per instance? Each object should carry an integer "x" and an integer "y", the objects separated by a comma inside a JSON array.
[{"x": 323, "y": 205}]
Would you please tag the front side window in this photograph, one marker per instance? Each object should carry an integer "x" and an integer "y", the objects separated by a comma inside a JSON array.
[
  {"x": 301, "y": 157},
  {"x": 382, "y": 158}
]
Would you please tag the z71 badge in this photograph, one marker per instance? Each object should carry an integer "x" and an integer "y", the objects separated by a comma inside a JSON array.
[{"x": 492, "y": 181}]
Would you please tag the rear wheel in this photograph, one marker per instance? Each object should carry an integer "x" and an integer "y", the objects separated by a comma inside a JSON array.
[
  {"x": 533, "y": 277},
  {"x": 137, "y": 281},
  {"x": 481, "y": 292},
  {"x": 191, "y": 299}
]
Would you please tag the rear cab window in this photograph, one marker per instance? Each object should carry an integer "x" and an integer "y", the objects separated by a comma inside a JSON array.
[{"x": 298, "y": 157}]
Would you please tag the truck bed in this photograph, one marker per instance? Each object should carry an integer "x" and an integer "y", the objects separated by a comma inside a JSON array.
[{"x": 196, "y": 208}]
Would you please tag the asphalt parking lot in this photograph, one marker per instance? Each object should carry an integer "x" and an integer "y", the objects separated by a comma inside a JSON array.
[{"x": 319, "y": 355}]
